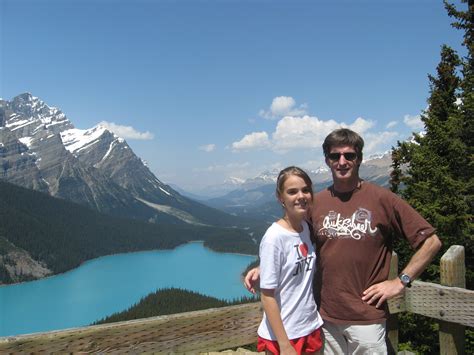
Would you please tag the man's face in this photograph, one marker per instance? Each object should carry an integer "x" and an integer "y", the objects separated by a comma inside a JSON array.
[{"x": 344, "y": 167}]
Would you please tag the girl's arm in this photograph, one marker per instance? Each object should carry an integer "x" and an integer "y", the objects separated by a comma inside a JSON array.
[{"x": 272, "y": 311}]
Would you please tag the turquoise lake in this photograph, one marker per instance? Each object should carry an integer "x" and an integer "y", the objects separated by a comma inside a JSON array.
[{"x": 113, "y": 283}]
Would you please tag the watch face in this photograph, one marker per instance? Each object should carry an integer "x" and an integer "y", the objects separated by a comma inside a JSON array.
[{"x": 405, "y": 279}]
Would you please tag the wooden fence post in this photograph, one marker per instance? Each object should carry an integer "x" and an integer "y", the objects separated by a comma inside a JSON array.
[
  {"x": 392, "y": 322},
  {"x": 452, "y": 273}
]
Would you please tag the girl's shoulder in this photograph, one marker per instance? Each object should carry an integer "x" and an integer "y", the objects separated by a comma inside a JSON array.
[{"x": 275, "y": 233}]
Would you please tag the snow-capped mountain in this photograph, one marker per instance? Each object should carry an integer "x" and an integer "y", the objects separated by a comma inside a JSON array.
[
  {"x": 320, "y": 170},
  {"x": 265, "y": 178},
  {"x": 231, "y": 184},
  {"x": 235, "y": 191},
  {"x": 260, "y": 201},
  {"x": 42, "y": 150}
]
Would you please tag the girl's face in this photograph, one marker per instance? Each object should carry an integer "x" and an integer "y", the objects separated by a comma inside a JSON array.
[{"x": 295, "y": 196}]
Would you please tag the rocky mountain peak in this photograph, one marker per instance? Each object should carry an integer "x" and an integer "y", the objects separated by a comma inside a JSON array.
[
  {"x": 41, "y": 149},
  {"x": 29, "y": 114}
]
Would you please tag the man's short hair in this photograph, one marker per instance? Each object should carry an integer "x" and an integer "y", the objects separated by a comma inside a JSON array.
[{"x": 343, "y": 136}]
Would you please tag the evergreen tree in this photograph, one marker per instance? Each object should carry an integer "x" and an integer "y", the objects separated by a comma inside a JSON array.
[
  {"x": 437, "y": 180},
  {"x": 465, "y": 21},
  {"x": 435, "y": 171}
]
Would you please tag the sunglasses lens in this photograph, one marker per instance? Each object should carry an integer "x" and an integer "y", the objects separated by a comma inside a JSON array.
[{"x": 350, "y": 156}]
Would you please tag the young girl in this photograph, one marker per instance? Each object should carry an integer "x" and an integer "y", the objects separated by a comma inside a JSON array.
[{"x": 291, "y": 320}]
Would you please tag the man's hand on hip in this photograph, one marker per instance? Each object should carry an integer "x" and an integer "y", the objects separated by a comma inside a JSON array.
[{"x": 383, "y": 291}]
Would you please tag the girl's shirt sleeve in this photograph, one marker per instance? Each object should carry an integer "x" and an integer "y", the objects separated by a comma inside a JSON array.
[{"x": 270, "y": 263}]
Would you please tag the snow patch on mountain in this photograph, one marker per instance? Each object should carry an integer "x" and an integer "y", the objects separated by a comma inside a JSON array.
[
  {"x": 182, "y": 215},
  {"x": 377, "y": 156},
  {"x": 234, "y": 181},
  {"x": 37, "y": 109},
  {"x": 75, "y": 139},
  {"x": 13, "y": 125},
  {"x": 320, "y": 170},
  {"x": 270, "y": 176},
  {"x": 166, "y": 192},
  {"x": 111, "y": 147},
  {"x": 26, "y": 141}
]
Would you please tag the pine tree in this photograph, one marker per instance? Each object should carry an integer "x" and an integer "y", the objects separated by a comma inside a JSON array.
[
  {"x": 437, "y": 180},
  {"x": 435, "y": 171},
  {"x": 465, "y": 21}
]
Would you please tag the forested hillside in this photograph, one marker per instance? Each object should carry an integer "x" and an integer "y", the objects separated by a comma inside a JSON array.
[
  {"x": 60, "y": 235},
  {"x": 170, "y": 301}
]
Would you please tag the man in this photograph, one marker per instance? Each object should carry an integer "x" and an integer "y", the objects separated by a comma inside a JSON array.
[{"x": 355, "y": 223}]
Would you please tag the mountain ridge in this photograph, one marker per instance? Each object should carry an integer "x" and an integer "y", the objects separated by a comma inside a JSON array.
[
  {"x": 260, "y": 201},
  {"x": 42, "y": 235},
  {"x": 41, "y": 149},
  {"x": 318, "y": 175}
]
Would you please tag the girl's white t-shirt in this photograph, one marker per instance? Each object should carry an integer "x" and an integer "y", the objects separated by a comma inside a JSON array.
[{"x": 287, "y": 265}]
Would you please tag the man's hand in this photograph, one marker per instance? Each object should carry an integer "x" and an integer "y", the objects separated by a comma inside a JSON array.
[
  {"x": 252, "y": 279},
  {"x": 383, "y": 291},
  {"x": 419, "y": 261}
]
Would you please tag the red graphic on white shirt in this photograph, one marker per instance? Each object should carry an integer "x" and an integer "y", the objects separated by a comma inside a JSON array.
[
  {"x": 303, "y": 249},
  {"x": 304, "y": 262}
]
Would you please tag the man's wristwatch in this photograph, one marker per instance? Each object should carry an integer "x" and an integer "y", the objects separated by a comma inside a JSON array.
[{"x": 405, "y": 279}]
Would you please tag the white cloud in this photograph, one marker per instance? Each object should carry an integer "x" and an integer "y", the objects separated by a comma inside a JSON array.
[
  {"x": 360, "y": 125},
  {"x": 374, "y": 141},
  {"x": 126, "y": 132},
  {"x": 255, "y": 140},
  {"x": 297, "y": 133},
  {"x": 414, "y": 122},
  {"x": 301, "y": 132},
  {"x": 283, "y": 106},
  {"x": 207, "y": 147},
  {"x": 391, "y": 124}
]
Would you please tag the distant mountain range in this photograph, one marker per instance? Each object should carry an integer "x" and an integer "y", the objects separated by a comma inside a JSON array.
[
  {"x": 41, "y": 149},
  {"x": 256, "y": 197},
  {"x": 374, "y": 167}
]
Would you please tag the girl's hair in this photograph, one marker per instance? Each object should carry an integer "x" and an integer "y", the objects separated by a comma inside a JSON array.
[{"x": 289, "y": 171}]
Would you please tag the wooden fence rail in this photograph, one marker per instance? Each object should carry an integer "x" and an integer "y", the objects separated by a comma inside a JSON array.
[{"x": 229, "y": 327}]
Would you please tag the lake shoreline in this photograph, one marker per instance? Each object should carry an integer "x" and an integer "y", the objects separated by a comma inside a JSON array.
[
  {"x": 111, "y": 284},
  {"x": 124, "y": 253}
]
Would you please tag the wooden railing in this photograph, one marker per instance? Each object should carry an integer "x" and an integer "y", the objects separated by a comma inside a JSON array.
[
  {"x": 449, "y": 302},
  {"x": 229, "y": 327}
]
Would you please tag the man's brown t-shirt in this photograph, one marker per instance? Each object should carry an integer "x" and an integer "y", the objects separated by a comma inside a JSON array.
[{"x": 355, "y": 232}]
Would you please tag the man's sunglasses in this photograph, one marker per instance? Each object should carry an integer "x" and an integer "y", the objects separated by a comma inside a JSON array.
[{"x": 349, "y": 156}]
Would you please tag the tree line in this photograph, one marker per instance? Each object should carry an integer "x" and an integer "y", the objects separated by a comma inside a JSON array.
[
  {"x": 170, "y": 301},
  {"x": 435, "y": 171},
  {"x": 62, "y": 234}
]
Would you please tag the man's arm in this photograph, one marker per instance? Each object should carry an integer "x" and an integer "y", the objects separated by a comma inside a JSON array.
[
  {"x": 383, "y": 291},
  {"x": 252, "y": 279}
]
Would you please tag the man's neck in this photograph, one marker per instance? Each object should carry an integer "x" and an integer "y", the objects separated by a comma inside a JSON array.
[{"x": 346, "y": 186}]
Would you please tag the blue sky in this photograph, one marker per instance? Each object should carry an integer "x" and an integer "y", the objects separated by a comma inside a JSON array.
[{"x": 204, "y": 90}]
